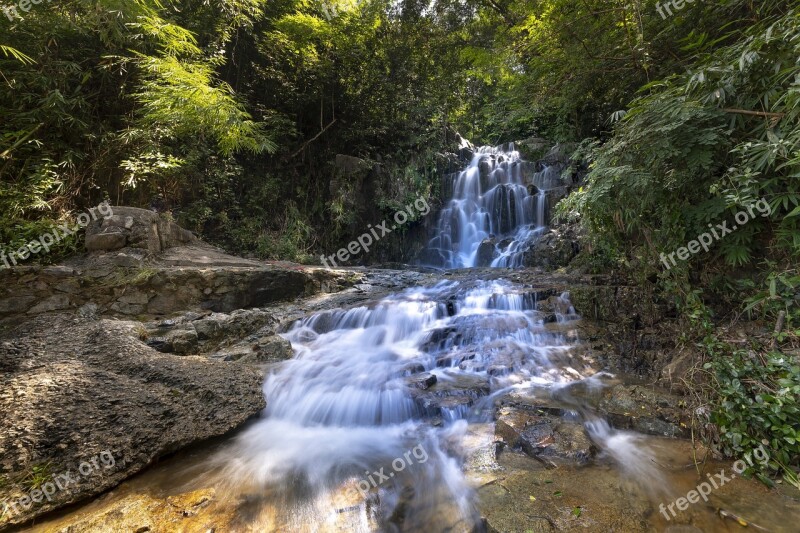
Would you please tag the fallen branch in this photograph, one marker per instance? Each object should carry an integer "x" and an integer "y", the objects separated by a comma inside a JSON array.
[
  {"x": 741, "y": 521},
  {"x": 311, "y": 140}
]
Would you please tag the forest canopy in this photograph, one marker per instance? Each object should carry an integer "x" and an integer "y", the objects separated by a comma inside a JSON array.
[{"x": 230, "y": 115}]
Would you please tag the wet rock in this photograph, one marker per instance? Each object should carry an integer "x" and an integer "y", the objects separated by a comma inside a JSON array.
[
  {"x": 439, "y": 338},
  {"x": 269, "y": 350},
  {"x": 532, "y": 525},
  {"x": 473, "y": 366},
  {"x": 446, "y": 398},
  {"x": 645, "y": 409},
  {"x": 408, "y": 370},
  {"x": 544, "y": 500},
  {"x": 485, "y": 167},
  {"x": 544, "y": 436},
  {"x": 555, "y": 305},
  {"x": 421, "y": 381},
  {"x": 453, "y": 359},
  {"x": 555, "y": 249},
  {"x": 142, "y": 513},
  {"x": 485, "y": 253}
]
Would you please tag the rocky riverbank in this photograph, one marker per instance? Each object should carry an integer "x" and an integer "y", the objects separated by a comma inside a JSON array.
[{"x": 145, "y": 349}]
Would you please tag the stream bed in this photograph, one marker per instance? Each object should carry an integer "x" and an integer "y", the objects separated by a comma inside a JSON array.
[{"x": 463, "y": 406}]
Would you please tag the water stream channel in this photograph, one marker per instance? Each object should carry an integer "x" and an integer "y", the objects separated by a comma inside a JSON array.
[{"x": 466, "y": 405}]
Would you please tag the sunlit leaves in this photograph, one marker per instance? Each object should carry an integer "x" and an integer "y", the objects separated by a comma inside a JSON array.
[
  {"x": 9, "y": 51},
  {"x": 171, "y": 39},
  {"x": 184, "y": 98}
]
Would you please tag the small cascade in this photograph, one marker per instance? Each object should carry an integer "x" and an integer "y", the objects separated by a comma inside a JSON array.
[
  {"x": 407, "y": 374},
  {"x": 498, "y": 208}
]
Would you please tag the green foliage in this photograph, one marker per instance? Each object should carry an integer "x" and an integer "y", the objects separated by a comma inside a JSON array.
[
  {"x": 779, "y": 295},
  {"x": 695, "y": 146},
  {"x": 758, "y": 403},
  {"x": 8, "y": 51},
  {"x": 98, "y": 100},
  {"x": 652, "y": 177},
  {"x": 689, "y": 153},
  {"x": 223, "y": 112},
  {"x": 18, "y": 233},
  {"x": 179, "y": 99},
  {"x": 38, "y": 475}
]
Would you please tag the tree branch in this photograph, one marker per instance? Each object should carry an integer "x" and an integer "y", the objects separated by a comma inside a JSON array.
[
  {"x": 312, "y": 139},
  {"x": 754, "y": 113}
]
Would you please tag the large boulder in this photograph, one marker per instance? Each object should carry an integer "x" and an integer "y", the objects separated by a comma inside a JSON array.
[
  {"x": 555, "y": 249},
  {"x": 132, "y": 227},
  {"x": 72, "y": 388}
]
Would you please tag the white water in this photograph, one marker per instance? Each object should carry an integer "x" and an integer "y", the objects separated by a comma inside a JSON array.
[
  {"x": 491, "y": 201},
  {"x": 343, "y": 408}
]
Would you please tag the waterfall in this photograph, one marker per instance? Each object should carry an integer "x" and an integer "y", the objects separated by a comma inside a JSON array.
[
  {"x": 360, "y": 394},
  {"x": 371, "y": 426},
  {"x": 492, "y": 216}
]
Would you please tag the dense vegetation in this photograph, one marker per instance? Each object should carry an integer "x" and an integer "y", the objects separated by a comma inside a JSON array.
[{"x": 231, "y": 114}]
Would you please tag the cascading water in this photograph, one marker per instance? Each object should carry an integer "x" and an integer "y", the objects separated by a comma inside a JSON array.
[
  {"x": 492, "y": 215},
  {"x": 370, "y": 384},
  {"x": 393, "y": 414}
]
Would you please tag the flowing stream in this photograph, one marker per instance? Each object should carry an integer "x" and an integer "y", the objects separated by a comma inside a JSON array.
[
  {"x": 379, "y": 398},
  {"x": 384, "y": 418}
]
